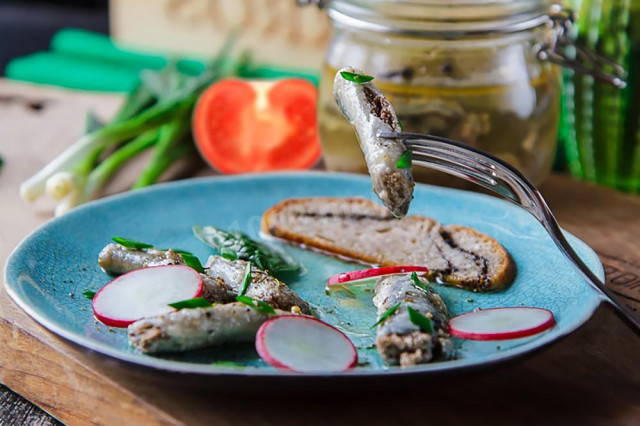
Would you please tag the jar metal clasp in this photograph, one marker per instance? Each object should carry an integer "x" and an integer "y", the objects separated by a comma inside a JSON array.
[
  {"x": 562, "y": 50},
  {"x": 319, "y": 3}
]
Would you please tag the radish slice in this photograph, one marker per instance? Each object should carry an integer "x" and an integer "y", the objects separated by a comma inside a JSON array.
[
  {"x": 144, "y": 293},
  {"x": 304, "y": 344},
  {"x": 501, "y": 323},
  {"x": 365, "y": 274}
]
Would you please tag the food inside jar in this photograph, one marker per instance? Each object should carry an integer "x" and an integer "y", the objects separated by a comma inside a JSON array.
[{"x": 514, "y": 118}]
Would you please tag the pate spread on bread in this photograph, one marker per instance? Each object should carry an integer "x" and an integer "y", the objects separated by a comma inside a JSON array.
[{"x": 366, "y": 232}]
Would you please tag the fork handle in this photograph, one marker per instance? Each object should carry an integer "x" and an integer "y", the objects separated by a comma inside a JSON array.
[{"x": 630, "y": 314}]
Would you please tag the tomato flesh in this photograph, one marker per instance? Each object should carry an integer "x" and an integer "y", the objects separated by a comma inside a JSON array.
[{"x": 256, "y": 126}]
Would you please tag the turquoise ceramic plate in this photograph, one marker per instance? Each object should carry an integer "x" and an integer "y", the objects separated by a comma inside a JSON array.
[{"x": 47, "y": 274}]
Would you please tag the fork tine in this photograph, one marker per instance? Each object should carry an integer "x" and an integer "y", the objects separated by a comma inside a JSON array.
[
  {"x": 454, "y": 154},
  {"x": 451, "y": 166},
  {"x": 446, "y": 146},
  {"x": 487, "y": 169}
]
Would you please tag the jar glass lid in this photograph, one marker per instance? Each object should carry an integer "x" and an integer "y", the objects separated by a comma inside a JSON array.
[{"x": 451, "y": 17}]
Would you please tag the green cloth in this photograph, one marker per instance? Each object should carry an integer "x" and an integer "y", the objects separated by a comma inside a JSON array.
[
  {"x": 86, "y": 60},
  {"x": 72, "y": 72}
]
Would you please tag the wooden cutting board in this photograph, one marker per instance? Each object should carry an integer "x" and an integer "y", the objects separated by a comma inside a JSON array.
[{"x": 589, "y": 377}]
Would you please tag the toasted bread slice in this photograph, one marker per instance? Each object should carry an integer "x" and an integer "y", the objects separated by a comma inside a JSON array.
[{"x": 366, "y": 232}]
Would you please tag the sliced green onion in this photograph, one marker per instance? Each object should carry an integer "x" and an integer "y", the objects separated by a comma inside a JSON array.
[
  {"x": 180, "y": 251},
  {"x": 418, "y": 283},
  {"x": 420, "y": 320},
  {"x": 89, "y": 294},
  {"x": 356, "y": 78},
  {"x": 246, "y": 280},
  {"x": 228, "y": 254},
  {"x": 386, "y": 314},
  {"x": 198, "y": 302},
  {"x": 229, "y": 364},
  {"x": 131, "y": 243},
  {"x": 176, "y": 251},
  {"x": 258, "y": 305},
  {"x": 192, "y": 262},
  {"x": 404, "y": 162}
]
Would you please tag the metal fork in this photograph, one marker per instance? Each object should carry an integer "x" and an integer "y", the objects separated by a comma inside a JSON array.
[{"x": 492, "y": 173}]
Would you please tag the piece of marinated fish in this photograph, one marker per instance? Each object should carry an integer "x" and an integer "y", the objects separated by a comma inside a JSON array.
[
  {"x": 222, "y": 279},
  {"x": 262, "y": 287},
  {"x": 116, "y": 259},
  {"x": 399, "y": 340},
  {"x": 197, "y": 328},
  {"x": 371, "y": 114}
]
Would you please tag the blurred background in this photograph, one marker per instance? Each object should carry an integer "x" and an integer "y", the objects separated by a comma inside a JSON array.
[
  {"x": 493, "y": 92},
  {"x": 27, "y": 26}
]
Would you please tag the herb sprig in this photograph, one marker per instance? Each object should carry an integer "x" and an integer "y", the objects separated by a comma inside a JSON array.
[
  {"x": 240, "y": 246},
  {"x": 192, "y": 262},
  {"x": 198, "y": 302},
  {"x": 387, "y": 314},
  {"x": 246, "y": 280},
  {"x": 257, "y": 305},
  {"x": 356, "y": 78},
  {"x": 133, "y": 244},
  {"x": 177, "y": 251},
  {"x": 89, "y": 294},
  {"x": 420, "y": 320},
  {"x": 228, "y": 254},
  {"x": 404, "y": 162},
  {"x": 418, "y": 283}
]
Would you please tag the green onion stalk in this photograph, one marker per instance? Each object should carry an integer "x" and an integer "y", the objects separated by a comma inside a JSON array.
[{"x": 155, "y": 115}]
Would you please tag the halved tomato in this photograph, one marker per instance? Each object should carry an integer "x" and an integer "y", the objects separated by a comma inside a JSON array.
[{"x": 254, "y": 126}]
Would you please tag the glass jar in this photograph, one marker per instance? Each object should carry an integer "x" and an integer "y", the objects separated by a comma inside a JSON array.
[{"x": 460, "y": 69}]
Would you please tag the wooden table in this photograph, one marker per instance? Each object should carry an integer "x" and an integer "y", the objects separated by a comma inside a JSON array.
[{"x": 589, "y": 377}]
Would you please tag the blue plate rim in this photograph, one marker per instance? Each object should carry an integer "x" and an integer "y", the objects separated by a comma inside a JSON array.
[{"x": 212, "y": 370}]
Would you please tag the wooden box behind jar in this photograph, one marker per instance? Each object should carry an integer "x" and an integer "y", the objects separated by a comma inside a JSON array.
[{"x": 276, "y": 31}]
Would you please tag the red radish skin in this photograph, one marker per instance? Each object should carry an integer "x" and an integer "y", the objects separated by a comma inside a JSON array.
[
  {"x": 266, "y": 355},
  {"x": 363, "y": 274},
  {"x": 108, "y": 318},
  {"x": 505, "y": 335}
]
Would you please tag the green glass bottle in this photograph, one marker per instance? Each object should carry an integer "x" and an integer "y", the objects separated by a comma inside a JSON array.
[{"x": 600, "y": 123}]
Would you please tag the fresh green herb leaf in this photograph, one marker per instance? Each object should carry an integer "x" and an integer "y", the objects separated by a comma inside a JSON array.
[
  {"x": 404, "y": 162},
  {"x": 230, "y": 364},
  {"x": 192, "y": 262},
  {"x": 356, "y": 78},
  {"x": 400, "y": 125},
  {"x": 258, "y": 305},
  {"x": 180, "y": 251},
  {"x": 246, "y": 280},
  {"x": 418, "y": 283},
  {"x": 176, "y": 251},
  {"x": 198, "y": 302},
  {"x": 262, "y": 256},
  {"x": 228, "y": 254},
  {"x": 386, "y": 314},
  {"x": 131, "y": 243},
  {"x": 420, "y": 320},
  {"x": 89, "y": 294}
]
